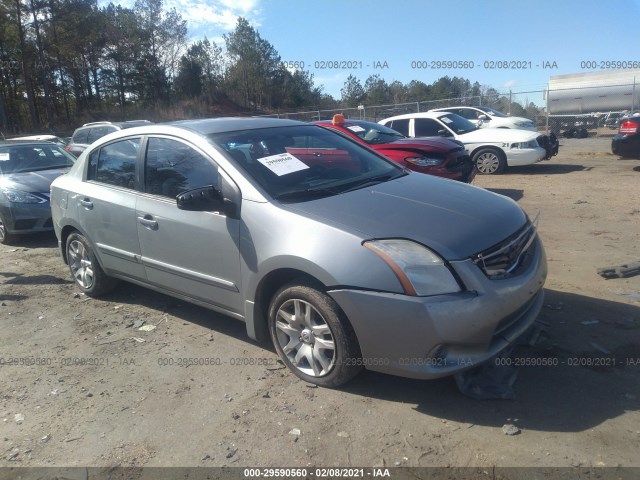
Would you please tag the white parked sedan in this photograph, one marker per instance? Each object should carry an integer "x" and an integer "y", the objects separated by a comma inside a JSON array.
[
  {"x": 491, "y": 149},
  {"x": 484, "y": 117}
]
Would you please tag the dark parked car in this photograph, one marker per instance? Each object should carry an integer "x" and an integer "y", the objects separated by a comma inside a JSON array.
[
  {"x": 90, "y": 132},
  {"x": 627, "y": 142},
  {"x": 442, "y": 157},
  {"x": 342, "y": 257},
  {"x": 27, "y": 169}
]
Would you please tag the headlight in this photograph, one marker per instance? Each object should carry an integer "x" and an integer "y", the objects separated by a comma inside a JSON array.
[
  {"x": 424, "y": 161},
  {"x": 419, "y": 270},
  {"x": 530, "y": 144},
  {"x": 18, "y": 196}
]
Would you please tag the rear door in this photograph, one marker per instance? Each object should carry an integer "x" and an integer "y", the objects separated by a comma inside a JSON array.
[
  {"x": 106, "y": 206},
  {"x": 193, "y": 253}
]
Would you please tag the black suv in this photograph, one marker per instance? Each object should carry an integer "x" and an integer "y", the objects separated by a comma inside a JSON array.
[{"x": 90, "y": 132}]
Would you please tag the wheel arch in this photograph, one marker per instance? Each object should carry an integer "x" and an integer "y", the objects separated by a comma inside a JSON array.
[
  {"x": 269, "y": 284},
  {"x": 499, "y": 150},
  {"x": 67, "y": 230}
]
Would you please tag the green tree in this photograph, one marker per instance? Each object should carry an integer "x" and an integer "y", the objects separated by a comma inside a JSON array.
[
  {"x": 376, "y": 90},
  {"x": 352, "y": 92},
  {"x": 255, "y": 77}
]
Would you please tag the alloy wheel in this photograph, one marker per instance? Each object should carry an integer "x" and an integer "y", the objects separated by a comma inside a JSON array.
[
  {"x": 305, "y": 338},
  {"x": 80, "y": 264}
]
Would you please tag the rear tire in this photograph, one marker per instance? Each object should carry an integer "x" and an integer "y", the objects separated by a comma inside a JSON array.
[
  {"x": 313, "y": 337},
  {"x": 489, "y": 161},
  {"x": 85, "y": 269}
]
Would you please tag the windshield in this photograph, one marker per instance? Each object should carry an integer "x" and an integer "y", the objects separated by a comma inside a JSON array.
[
  {"x": 297, "y": 163},
  {"x": 32, "y": 158},
  {"x": 373, "y": 133},
  {"x": 458, "y": 124},
  {"x": 492, "y": 112}
]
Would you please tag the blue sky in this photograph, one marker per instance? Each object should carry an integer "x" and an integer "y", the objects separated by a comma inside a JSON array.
[{"x": 372, "y": 32}]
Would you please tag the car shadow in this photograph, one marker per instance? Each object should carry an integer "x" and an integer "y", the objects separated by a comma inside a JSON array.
[
  {"x": 13, "y": 298},
  {"x": 570, "y": 394},
  {"x": 512, "y": 193},
  {"x": 546, "y": 169},
  {"x": 127, "y": 293},
  {"x": 578, "y": 391},
  {"x": 37, "y": 280}
]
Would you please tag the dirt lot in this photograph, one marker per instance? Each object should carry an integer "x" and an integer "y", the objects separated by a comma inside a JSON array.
[{"x": 103, "y": 393}]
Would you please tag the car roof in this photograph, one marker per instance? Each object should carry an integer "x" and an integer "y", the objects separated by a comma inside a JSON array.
[
  {"x": 207, "y": 126},
  {"x": 25, "y": 142},
  {"x": 345, "y": 123},
  {"x": 429, "y": 114}
]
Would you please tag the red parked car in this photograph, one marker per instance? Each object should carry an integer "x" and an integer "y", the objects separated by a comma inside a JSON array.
[{"x": 437, "y": 156}]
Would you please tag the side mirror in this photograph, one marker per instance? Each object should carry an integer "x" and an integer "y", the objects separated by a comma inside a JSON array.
[
  {"x": 204, "y": 199},
  {"x": 484, "y": 118},
  {"x": 444, "y": 133}
]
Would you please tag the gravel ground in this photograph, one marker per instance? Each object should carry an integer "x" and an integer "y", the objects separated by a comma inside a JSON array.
[{"x": 97, "y": 391}]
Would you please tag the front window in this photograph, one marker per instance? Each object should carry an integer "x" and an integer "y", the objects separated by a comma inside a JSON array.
[
  {"x": 299, "y": 163},
  {"x": 32, "y": 158},
  {"x": 173, "y": 167},
  {"x": 457, "y": 124}
]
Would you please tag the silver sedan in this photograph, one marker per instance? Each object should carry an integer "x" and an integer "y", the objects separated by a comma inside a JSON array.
[{"x": 341, "y": 257}]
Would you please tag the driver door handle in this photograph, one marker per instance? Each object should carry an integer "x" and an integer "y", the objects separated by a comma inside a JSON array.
[
  {"x": 148, "y": 222},
  {"x": 86, "y": 203}
]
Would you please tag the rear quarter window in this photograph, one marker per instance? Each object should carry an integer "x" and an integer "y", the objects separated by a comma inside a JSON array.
[{"x": 80, "y": 136}]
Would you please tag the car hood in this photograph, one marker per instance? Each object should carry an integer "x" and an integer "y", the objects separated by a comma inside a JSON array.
[
  {"x": 493, "y": 135},
  {"x": 38, "y": 181},
  {"x": 454, "y": 219},
  {"x": 439, "y": 144}
]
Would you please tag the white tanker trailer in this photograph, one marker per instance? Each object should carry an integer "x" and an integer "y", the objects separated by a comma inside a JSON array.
[{"x": 579, "y": 102}]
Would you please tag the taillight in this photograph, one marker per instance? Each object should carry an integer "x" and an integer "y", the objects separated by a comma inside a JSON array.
[
  {"x": 628, "y": 127},
  {"x": 67, "y": 148}
]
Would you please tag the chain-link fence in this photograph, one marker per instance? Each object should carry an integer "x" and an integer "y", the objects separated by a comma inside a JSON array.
[{"x": 568, "y": 112}]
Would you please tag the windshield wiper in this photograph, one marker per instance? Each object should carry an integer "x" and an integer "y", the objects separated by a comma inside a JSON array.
[
  {"x": 307, "y": 192},
  {"x": 368, "y": 182}
]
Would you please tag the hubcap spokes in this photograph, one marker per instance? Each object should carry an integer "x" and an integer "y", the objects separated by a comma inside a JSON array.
[
  {"x": 488, "y": 163},
  {"x": 80, "y": 264},
  {"x": 305, "y": 338}
]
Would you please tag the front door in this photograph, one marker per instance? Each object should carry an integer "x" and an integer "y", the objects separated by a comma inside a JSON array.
[{"x": 193, "y": 253}]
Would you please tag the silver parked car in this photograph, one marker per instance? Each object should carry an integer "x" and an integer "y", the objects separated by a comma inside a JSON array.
[{"x": 344, "y": 258}]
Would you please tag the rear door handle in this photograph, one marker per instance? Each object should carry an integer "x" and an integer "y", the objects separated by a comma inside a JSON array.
[
  {"x": 86, "y": 203},
  {"x": 148, "y": 222}
]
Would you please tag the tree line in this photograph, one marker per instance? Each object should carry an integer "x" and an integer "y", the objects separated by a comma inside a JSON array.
[{"x": 64, "y": 62}]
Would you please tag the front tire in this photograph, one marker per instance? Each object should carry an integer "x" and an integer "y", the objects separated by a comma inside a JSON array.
[
  {"x": 313, "y": 337},
  {"x": 85, "y": 269},
  {"x": 489, "y": 161},
  {"x": 5, "y": 238}
]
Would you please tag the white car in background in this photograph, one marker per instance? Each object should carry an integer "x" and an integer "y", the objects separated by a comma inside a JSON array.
[
  {"x": 484, "y": 117},
  {"x": 491, "y": 149}
]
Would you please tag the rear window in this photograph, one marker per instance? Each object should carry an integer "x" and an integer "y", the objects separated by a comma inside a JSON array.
[
  {"x": 80, "y": 136},
  {"x": 115, "y": 163},
  {"x": 99, "y": 132}
]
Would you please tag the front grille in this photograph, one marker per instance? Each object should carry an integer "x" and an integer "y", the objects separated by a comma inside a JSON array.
[
  {"x": 510, "y": 256},
  {"x": 455, "y": 163}
]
